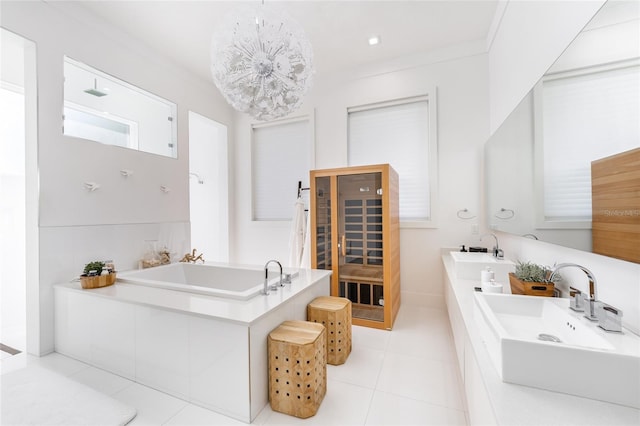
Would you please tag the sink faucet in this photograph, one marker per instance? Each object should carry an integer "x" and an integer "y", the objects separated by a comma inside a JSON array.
[
  {"x": 593, "y": 294},
  {"x": 266, "y": 289},
  {"x": 497, "y": 251}
]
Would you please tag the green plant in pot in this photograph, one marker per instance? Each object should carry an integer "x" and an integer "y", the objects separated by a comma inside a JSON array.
[
  {"x": 96, "y": 266},
  {"x": 93, "y": 277},
  {"x": 531, "y": 279}
]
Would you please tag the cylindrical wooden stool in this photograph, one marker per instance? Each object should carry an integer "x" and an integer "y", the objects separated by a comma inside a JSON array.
[
  {"x": 335, "y": 314},
  {"x": 297, "y": 368}
]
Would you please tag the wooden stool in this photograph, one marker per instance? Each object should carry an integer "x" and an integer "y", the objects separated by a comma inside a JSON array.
[
  {"x": 335, "y": 314},
  {"x": 297, "y": 368}
]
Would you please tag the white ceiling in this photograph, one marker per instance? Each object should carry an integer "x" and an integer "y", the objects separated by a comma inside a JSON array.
[{"x": 338, "y": 30}]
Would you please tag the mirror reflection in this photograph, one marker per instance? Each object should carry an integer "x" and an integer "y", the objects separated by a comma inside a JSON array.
[
  {"x": 585, "y": 108},
  {"x": 102, "y": 108}
]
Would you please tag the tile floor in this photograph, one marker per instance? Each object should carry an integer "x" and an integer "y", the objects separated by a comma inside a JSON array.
[{"x": 407, "y": 376}]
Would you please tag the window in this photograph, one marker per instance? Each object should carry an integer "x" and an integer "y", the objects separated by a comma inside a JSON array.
[
  {"x": 281, "y": 156},
  {"x": 579, "y": 111},
  {"x": 401, "y": 133}
]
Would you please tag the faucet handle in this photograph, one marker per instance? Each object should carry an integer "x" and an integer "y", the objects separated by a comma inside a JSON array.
[
  {"x": 609, "y": 318},
  {"x": 576, "y": 301}
]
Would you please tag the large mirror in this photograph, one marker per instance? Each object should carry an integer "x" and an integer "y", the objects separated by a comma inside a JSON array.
[
  {"x": 585, "y": 108},
  {"x": 102, "y": 108}
]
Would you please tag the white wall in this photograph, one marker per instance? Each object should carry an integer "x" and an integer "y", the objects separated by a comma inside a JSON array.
[
  {"x": 530, "y": 37},
  {"x": 77, "y": 226},
  {"x": 461, "y": 79}
]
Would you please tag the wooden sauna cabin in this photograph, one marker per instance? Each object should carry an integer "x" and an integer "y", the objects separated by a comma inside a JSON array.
[{"x": 355, "y": 232}]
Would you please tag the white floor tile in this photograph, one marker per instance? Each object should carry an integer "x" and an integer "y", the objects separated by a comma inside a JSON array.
[
  {"x": 100, "y": 380},
  {"x": 192, "y": 415},
  {"x": 59, "y": 363},
  {"x": 9, "y": 364},
  {"x": 362, "y": 368},
  {"x": 344, "y": 404},
  {"x": 422, "y": 379},
  {"x": 432, "y": 343},
  {"x": 364, "y": 337},
  {"x": 388, "y": 409},
  {"x": 154, "y": 407}
]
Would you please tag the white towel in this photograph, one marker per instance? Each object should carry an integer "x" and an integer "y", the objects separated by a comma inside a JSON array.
[
  {"x": 297, "y": 236},
  {"x": 306, "y": 248}
]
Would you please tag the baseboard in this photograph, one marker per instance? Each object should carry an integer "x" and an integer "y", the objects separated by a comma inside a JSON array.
[{"x": 426, "y": 300}]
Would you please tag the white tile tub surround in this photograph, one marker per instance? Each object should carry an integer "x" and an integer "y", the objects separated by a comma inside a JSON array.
[{"x": 207, "y": 350}]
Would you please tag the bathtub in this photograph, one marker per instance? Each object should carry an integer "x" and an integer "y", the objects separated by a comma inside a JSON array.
[
  {"x": 162, "y": 327},
  {"x": 212, "y": 279}
]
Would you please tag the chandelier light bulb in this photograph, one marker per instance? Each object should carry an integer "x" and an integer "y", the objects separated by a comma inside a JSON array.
[{"x": 262, "y": 62}]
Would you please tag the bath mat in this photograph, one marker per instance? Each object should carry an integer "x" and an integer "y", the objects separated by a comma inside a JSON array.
[{"x": 36, "y": 396}]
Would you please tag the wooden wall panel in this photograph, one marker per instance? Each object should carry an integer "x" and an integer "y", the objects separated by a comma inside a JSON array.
[{"x": 615, "y": 190}]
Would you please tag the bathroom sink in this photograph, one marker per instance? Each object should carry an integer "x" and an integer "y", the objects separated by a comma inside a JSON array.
[
  {"x": 540, "y": 342},
  {"x": 468, "y": 265}
]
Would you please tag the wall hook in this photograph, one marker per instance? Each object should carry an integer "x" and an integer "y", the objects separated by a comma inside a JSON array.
[
  {"x": 126, "y": 173},
  {"x": 91, "y": 186},
  {"x": 464, "y": 214},
  {"x": 165, "y": 189}
]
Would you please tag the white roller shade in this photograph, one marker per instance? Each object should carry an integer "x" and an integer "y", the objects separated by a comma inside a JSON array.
[
  {"x": 397, "y": 134},
  {"x": 585, "y": 117},
  {"x": 281, "y": 156}
]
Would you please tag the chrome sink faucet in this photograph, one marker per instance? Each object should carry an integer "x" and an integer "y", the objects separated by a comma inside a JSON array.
[
  {"x": 497, "y": 251},
  {"x": 266, "y": 289},
  {"x": 576, "y": 295}
]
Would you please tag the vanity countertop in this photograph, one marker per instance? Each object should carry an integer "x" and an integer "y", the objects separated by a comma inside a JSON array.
[
  {"x": 244, "y": 312},
  {"x": 522, "y": 405}
]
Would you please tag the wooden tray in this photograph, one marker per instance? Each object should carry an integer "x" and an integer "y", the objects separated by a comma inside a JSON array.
[
  {"x": 98, "y": 281},
  {"x": 530, "y": 288}
]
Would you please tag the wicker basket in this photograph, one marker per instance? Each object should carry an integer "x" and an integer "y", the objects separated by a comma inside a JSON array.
[{"x": 98, "y": 281}]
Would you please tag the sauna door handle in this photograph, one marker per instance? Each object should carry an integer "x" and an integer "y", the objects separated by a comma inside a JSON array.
[{"x": 343, "y": 245}]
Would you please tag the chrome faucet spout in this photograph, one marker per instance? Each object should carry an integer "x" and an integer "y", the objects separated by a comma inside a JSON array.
[
  {"x": 590, "y": 314},
  {"x": 266, "y": 289},
  {"x": 497, "y": 251}
]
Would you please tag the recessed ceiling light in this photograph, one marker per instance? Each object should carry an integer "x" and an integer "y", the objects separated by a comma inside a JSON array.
[{"x": 373, "y": 40}]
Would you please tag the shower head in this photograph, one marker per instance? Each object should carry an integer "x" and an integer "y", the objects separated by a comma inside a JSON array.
[{"x": 94, "y": 91}]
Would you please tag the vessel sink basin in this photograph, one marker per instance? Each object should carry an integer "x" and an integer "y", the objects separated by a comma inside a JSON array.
[
  {"x": 540, "y": 342},
  {"x": 468, "y": 266}
]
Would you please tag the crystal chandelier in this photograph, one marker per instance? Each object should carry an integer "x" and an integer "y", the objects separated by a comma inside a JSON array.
[{"x": 262, "y": 62}]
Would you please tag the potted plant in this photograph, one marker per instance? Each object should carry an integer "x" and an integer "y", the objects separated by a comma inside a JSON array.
[
  {"x": 97, "y": 274},
  {"x": 531, "y": 279}
]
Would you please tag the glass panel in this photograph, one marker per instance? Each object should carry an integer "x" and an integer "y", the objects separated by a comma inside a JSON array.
[
  {"x": 323, "y": 222},
  {"x": 360, "y": 242},
  {"x": 102, "y": 108}
]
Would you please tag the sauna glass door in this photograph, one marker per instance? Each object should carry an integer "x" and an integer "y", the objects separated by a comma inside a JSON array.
[
  {"x": 323, "y": 222},
  {"x": 360, "y": 244}
]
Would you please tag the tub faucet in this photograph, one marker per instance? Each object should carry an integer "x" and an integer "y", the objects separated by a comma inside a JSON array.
[
  {"x": 497, "y": 251},
  {"x": 266, "y": 289},
  {"x": 590, "y": 312}
]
